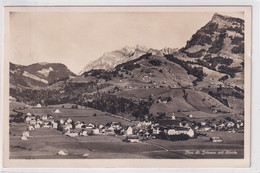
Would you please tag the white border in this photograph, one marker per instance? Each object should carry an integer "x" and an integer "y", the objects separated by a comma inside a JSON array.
[{"x": 255, "y": 101}]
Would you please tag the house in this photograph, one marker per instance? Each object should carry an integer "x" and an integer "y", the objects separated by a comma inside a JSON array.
[
  {"x": 156, "y": 131},
  {"x": 69, "y": 120},
  {"x": 57, "y": 111},
  {"x": 230, "y": 124},
  {"x": 147, "y": 135},
  {"x": 203, "y": 123},
  {"x": 190, "y": 116},
  {"x": 54, "y": 125},
  {"x": 32, "y": 122},
  {"x": 83, "y": 133},
  {"x": 44, "y": 117},
  {"x": 29, "y": 114},
  {"x": 146, "y": 123},
  {"x": 50, "y": 117},
  {"x": 26, "y": 134},
  {"x": 139, "y": 125},
  {"x": 216, "y": 139},
  {"x": 62, "y": 153},
  {"x": 30, "y": 128},
  {"x": 38, "y": 121},
  {"x": 81, "y": 107},
  {"x": 91, "y": 125},
  {"x": 173, "y": 116},
  {"x": 206, "y": 129},
  {"x": 28, "y": 119},
  {"x": 221, "y": 126},
  {"x": 129, "y": 131},
  {"x": 24, "y": 138},
  {"x": 46, "y": 125},
  {"x": 181, "y": 130},
  {"x": 78, "y": 125},
  {"x": 110, "y": 132},
  {"x": 37, "y": 126},
  {"x": 67, "y": 126},
  {"x": 38, "y": 105},
  {"x": 100, "y": 126},
  {"x": 62, "y": 121},
  {"x": 132, "y": 139}
]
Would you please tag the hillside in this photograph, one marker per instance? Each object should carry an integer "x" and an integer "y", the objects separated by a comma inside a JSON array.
[
  {"x": 218, "y": 46},
  {"x": 38, "y": 75},
  {"x": 205, "y": 77}
]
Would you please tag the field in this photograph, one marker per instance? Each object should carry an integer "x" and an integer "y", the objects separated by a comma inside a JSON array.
[
  {"x": 45, "y": 143},
  {"x": 85, "y": 115}
]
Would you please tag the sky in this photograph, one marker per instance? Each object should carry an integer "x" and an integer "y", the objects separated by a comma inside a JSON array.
[{"x": 77, "y": 38}]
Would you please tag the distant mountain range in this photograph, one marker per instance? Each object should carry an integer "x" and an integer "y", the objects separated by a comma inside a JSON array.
[
  {"x": 206, "y": 75},
  {"x": 111, "y": 59}
]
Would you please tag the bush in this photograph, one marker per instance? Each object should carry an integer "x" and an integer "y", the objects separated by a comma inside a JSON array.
[{"x": 155, "y": 62}]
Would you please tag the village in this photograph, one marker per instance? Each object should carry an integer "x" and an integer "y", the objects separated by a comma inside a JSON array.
[{"x": 168, "y": 128}]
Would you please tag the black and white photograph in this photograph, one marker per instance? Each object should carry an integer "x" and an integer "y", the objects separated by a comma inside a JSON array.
[{"x": 138, "y": 83}]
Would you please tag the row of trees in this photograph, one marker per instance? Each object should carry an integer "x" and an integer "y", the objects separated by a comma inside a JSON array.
[{"x": 115, "y": 105}]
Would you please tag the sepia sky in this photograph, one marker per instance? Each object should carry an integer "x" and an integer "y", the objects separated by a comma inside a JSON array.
[{"x": 76, "y": 38}]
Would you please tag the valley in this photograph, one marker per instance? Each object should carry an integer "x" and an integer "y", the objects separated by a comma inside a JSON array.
[{"x": 136, "y": 102}]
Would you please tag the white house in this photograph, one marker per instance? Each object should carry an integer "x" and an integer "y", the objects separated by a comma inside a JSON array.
[
  {"x": 30, "y": 128},
  {"x": 156, "y": 131},
  {"x": 190, "y": 116},
  {"x": 78, "y": 125},
  {"x": 37, "y": 126},
  {"x": 69, "y": 120},
  {"x": 83, "y": 133},
  {"x": 29, "y": 114},
  {"x": 179, "y": 131},
  {"x": 173, "y": 116},
  {"x": 54, "y": 125},
  {"x": 62, "y": 121},
  {"x": 67, "y": 126},
  {"x": 26, "y": 134},
  {"x": 33, "y": 122},
  {"x": 129, "y": 131},
  {"x": 230, "y": 124},
  {"x": 203, "y": 123},
  {"x": 62, "y": 153},
  {"x": 38, "y": 105},
  {"x": 44, "y": 117},
  {"x": 46, "y": 125},
  {"x": 57, "y": 111},
  {"x": 28, "y": 119},
  {"x": 216, "y": 139},
  {"x": 24, "y": 138}
]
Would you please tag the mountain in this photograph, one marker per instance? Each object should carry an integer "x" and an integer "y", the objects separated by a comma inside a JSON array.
[
  {"x": 218, "y": 45},
  {"x": 204, "y": 78},
  {"x": 38, "y": 75},
  {"x": 111, "y": 59}
]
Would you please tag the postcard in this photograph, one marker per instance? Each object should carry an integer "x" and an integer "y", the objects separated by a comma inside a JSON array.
[{"x": 135, "y": 87}]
